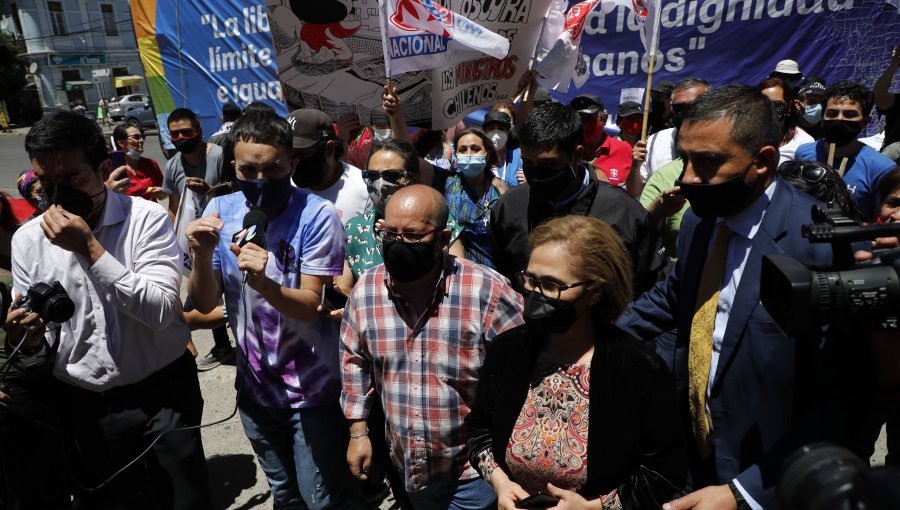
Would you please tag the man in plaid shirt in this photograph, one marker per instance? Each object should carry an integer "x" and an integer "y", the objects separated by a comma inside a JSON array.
[{"x": 414, "y": 334}]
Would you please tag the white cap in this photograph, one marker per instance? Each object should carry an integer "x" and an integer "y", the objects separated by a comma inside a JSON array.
[{"x": 787, "y": 67}]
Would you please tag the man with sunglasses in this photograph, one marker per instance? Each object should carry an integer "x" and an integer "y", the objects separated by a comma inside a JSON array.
[
  {"x": 847, "y": 107},
  {"x": 140, "y": 176},
  {"x": 320, "y": 169},
  {"x": 610, "y": 156},
  {"x": 661, "y": 148},
  {"x": 559, "y": 183},
  {"x": 197, "y": 165},
  {"x": 414, "y": 335}
]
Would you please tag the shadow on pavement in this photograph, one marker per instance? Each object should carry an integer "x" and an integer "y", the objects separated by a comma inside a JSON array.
[{"x": 229, "y": 476}]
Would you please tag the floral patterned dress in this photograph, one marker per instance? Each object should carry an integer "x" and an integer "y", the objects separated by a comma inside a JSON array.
[{"x": 550, "y": 438}]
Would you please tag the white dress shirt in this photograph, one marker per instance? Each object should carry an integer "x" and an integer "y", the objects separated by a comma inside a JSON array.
[
  {"x": 786, "y": 152},
  {"x": 661, "y": 150},
  {"x": 745, "y": 225},
  {"x": 128, "y": 320}
]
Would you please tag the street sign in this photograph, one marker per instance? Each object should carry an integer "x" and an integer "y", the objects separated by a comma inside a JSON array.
[
  {"x": 77, "y": 59},
  {"x": 100, "y": 73}
]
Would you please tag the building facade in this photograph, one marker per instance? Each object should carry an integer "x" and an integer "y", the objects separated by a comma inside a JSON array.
[{"x": 84, "y": 49}]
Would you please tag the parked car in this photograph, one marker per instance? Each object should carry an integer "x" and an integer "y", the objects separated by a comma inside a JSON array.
[
  {"x": 143, "y": 117},
  {"x": 120, "y": 106}
]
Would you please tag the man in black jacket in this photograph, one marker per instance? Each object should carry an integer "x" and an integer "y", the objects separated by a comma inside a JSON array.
[{"x": 560, "y": 184}]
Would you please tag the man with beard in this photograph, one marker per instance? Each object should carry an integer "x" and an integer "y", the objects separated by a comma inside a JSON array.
[
  {"x": 272, "y": 275},
  {"x": 414, "y": 336},
  {"x": 560, "y": 183},
  {"x": 320, "y": 168},
  {"x": 123, "y": 377},
  {"x": 847, "y": 107}
]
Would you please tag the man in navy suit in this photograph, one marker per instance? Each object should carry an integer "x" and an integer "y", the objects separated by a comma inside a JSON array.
[{"x": 741, "y": 382}]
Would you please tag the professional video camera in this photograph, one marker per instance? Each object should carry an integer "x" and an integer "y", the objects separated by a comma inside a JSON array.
[
  {"x": 801, "y": 298},
  {"x": 823, "y": 476}
]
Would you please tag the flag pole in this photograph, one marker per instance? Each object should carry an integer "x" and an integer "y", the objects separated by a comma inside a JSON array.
[{"x": 647, "y": 97}]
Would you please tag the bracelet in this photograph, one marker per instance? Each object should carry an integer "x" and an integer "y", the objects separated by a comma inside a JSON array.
[
  {"x": 738, "y": 497},
  {"x": 359, "y": 436}
]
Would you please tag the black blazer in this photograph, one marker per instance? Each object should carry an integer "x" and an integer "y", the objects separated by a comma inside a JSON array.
[{"x": 635, "y": 438}]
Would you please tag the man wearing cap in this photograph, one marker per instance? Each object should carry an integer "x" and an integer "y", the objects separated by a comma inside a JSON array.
[
  {"x": 660, "y": 106},
  {"x": 812, "y": 99},
  {"x": 320, "y": 169},
  {"x": 496, "y": 126},
  {"x": 630, "y": 119},
  {"x": 611, "y": 157},
  {"x": 788, "y": 71}
]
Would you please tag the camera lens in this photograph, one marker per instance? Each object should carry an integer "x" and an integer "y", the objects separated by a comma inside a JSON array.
[{"x": 58, "y": 309}]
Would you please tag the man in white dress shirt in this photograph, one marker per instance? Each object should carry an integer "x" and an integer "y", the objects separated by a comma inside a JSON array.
[{"x": 123, "y": 374}]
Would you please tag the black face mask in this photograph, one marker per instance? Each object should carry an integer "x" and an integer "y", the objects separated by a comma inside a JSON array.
[
  {"x": 72, "y": 200},
  {"x": 548, "y": 189},
  {"x": 717, "y": 200},
  {"x": 545, "y": 316},
  {"x": 407, "y": 262},
  {"x": 266, "y": 194},
  {"x": 187, "y": 145},
  {"x": 311, "y": 171},
  {"x": 841, "y": 132}
]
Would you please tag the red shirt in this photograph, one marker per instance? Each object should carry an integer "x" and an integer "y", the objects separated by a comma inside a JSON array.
[
  {"x": 613, "y": 157},
  {"x": 144, "y": 175}
]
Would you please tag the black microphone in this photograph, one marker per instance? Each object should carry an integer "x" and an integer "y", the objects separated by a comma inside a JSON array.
[{"x": 255, "y": 223}]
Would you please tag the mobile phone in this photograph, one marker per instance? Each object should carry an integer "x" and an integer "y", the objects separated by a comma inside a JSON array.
[
  {"x": 332, "y": 299},
  {"x": 538, "y": 500},
  {"x": 117, "y": 159}
]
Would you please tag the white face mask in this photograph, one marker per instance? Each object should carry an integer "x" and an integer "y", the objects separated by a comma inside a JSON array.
[
  {"x": 498, "y": 137},
  {"x": 133, "y": 154},
  {"x": 382, "y": 134}
]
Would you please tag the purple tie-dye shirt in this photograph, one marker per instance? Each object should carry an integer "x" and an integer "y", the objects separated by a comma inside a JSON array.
[{"x": 292, "y": 364}]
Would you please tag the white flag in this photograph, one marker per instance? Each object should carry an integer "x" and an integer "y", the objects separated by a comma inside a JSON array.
[
  {"x": 422, "y": 34},
  {"x": 188, "y": 211},
  {"x": 558, "y": 52},
  {"x": 647, "y": 14}
]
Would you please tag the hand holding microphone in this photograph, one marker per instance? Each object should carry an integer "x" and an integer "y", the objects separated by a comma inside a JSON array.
[{"x": 249, "y": 245}]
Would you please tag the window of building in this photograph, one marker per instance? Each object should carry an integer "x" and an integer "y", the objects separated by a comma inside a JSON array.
[
  {"x": 15, "y": 14},
  {"x": 57, "y": 18},
  {"x": 109, "y": 19},
  {"x": 120, "y": 71}
]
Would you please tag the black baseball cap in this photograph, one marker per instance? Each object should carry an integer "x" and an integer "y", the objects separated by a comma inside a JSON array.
[
  {"x": 500, "y": 117},
  {"x": 587, "y": 104},
  {"x": 665, "y": 86},
  {"x": 310, "y": 127},
  {"x": 629, "y": 108}
]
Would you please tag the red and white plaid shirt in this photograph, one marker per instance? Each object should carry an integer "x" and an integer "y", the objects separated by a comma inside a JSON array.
[{"x": 425, "y": 369}]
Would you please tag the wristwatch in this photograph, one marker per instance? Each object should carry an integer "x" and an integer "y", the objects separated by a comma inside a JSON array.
[{"x": 739, "y": 497}]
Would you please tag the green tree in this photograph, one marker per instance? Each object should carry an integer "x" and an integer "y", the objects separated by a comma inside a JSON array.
[{"x": 12, "y": 67}]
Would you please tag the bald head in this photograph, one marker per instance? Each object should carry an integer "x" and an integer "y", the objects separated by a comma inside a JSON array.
[{"x": 416, "y": 206}]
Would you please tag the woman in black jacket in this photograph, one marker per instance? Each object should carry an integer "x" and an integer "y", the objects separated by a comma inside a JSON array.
[{"x": 567, "y": 405}]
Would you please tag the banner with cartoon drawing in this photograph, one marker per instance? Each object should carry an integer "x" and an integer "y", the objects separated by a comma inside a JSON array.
[{"x": 330, "y": 56}]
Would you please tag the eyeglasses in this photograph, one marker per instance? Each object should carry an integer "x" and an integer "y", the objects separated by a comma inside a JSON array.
[
  {"x": 679, "y": 108},
  {"x": 809, "y": 172},
  {"x": 781, "y": 110},
  {"x": 389, "y": 236},
  {"x": 183, "y": 133},
  {"x": 392, "y": 176},
  {"x": 548, "y": 288},
  {"x": 136, "y": 137}
]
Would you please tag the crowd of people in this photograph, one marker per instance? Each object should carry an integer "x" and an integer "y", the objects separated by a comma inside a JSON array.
[{"x": 544, "y": 311}]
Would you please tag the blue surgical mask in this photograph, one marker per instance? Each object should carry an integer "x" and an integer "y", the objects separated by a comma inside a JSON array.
[
  {"x": 471, "y": 166},
  {"x": 813, "y": 113},
  {"x": 266, "y": 194}
]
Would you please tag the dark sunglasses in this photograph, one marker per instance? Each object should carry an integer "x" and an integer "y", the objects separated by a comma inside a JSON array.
[
  {"x": 809, "y": 172},
  {"x": 392, "y": 176},
  {"x": 183, "y": 133},
  {"x": 781, "y": 110},
  {"x": 136, "y": 137},
  {"x": 679, "y": 108}
]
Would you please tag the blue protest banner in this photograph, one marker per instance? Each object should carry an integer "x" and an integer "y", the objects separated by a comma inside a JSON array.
[{"x": 739, "y": 41}]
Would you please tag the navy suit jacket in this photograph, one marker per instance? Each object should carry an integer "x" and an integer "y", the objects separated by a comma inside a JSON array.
[{"x": 752, "y": 402}]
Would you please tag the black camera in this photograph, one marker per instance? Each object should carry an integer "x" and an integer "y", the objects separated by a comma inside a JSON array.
[
  {"x": 823, "y": 476},
  {"x": 801, "y": 298},
  {"x": 51, "y": 302}
]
